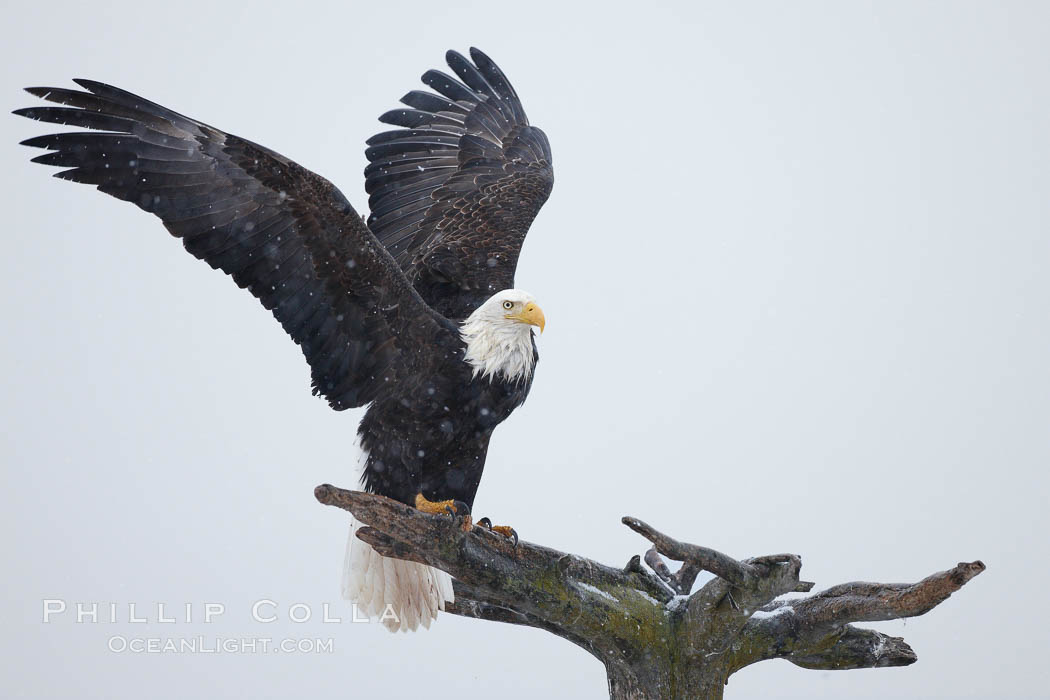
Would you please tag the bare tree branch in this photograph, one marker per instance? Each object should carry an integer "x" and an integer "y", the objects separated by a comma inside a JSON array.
[
  {"x": 858, "y": 648},
  {"x": 659, "y": 566},
  {"x": 654, "y": 643},
  {"x": 813, "y": 632},
  {"x": 871, "y": 602},
  {"x": 685, "y": 577},
  {"x": 702, "y": 558}
]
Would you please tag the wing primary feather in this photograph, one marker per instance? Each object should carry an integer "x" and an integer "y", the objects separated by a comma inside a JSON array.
[
  {"x": 468, "y": 73},
  {"x": 450, "y": 87}
]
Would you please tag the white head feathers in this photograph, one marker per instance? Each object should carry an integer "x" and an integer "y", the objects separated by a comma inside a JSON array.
[{"x": 499, "y": 335}]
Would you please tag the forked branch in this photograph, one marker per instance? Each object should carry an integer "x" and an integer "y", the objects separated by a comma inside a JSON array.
[{"x": 656, "y": 637}]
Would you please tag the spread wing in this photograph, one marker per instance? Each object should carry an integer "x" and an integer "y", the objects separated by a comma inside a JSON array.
[
  {"x": 282, "y": 232},
  {"x": 454, "y": 192}
]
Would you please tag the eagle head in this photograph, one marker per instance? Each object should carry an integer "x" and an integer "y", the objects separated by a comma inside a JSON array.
[{"x": 498, "y": 335}]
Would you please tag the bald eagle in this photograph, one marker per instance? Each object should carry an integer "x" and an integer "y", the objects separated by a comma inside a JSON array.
[{"x": 412, "y": 313}]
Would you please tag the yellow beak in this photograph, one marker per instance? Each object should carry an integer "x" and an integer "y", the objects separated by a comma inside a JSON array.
[{"x": 532, "y": 315}]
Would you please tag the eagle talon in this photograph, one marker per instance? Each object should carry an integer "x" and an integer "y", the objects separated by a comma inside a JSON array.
[
  {"x": 504, "y": 530},
  {"x": 508, "y": 532},
  {"x": 457, "y": 509}
]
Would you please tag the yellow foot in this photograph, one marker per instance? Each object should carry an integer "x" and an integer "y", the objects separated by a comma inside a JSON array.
[
  {"x": 449, "y": 507},
  {"x": 505, "y": 530}
]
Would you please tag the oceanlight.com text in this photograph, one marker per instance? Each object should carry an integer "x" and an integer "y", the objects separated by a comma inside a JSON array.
[{"x": 218, "y": 645}]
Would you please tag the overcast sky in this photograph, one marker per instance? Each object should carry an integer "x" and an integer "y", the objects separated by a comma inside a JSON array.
[{"x": 795, "y": 274}]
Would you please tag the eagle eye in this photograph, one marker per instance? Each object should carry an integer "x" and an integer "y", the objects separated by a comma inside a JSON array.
[{"x": 508, "y": 305}]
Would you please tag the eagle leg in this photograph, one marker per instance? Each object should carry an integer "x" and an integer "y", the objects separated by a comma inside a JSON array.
[
  {"x": 505, "y": 530},
  {"x": 457, "y": 509}
]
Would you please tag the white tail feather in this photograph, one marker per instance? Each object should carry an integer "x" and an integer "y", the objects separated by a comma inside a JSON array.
[{"x": 415, "y": 592}]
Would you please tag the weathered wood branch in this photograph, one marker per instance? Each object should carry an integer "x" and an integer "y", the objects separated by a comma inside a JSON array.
[
  {"x": 856, "y": 648},
  {"x": 870, "y": 602},
  {"x": 697, "y": 558},
  {"x": 656, "y": 637}
]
